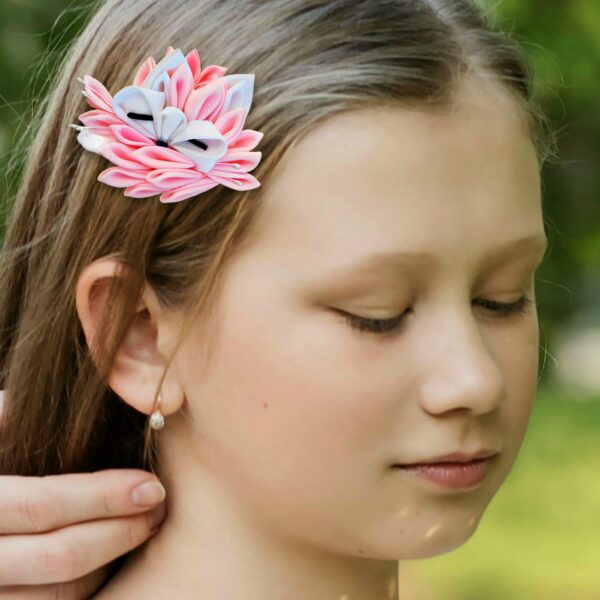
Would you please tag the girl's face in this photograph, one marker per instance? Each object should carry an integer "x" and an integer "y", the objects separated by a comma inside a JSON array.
[{"x": 297, "y": 416}]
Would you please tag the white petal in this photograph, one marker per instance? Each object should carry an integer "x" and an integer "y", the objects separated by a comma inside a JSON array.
[
  {"x": 170, "y": 122},
  {"x": 93, "y": 141},
  {"x": 139, "y": 100},
  {"x": 158, "y": 79},
  {"x": 204, "y": 131},
  {"x": 240, "y": 92}
]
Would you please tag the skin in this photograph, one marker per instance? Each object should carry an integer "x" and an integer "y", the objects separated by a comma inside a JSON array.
[
  {"x": 283, "y": 421},
  {"x": 58, "y": 532}
]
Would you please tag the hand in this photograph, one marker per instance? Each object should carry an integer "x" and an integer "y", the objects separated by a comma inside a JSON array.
[{"x": 58, "y": 532}]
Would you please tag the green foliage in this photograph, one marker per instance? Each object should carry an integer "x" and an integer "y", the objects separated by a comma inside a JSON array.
[
  {"x": 561, "y": 38},
  {"x": 33, "y": 38}
]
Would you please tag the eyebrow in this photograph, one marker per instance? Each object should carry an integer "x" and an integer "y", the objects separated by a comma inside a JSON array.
[{"x": 394, "y": 259}]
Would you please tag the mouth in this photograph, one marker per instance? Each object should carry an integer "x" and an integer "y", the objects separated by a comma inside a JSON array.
[
  {"x": 452, "y": 471},
  {"x": 453, "y": 458}
]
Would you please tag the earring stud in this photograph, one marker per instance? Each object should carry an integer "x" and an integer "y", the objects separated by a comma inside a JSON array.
[{"x": 157, "y": 421}]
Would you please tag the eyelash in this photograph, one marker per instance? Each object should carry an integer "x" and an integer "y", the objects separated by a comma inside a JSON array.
[{"x": 387, "y": 326}]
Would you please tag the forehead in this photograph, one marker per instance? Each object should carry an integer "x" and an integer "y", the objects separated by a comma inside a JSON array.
[{"x": 385, "y": 177}]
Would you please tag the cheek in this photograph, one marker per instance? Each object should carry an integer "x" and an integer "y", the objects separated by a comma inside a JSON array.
[
  {"x": 313, "y": 391},
  {"x": 519, "y": 356},
  {"x": 284, "y": 402}
]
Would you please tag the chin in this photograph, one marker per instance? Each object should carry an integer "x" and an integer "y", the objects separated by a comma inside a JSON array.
[
  {"x": 434, "y": 547},
  {"x": 423, "y": 541},
  {"x": 440, "y": 547}
]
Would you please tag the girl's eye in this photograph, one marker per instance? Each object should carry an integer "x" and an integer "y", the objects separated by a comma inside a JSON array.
[
  {"x": 506, "y": 309},
  {"x": 387, "y": 326},
  {"x": 377, "y": 326}
]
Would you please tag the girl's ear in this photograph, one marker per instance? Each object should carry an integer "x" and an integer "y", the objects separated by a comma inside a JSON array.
[{"x": 141, "y": 359}]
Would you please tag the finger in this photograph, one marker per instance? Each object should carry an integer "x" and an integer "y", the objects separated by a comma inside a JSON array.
[
  {"x": 81, "y": 588},
  {"x": 38, "y": 504},
  {"x": 72, "y": 552}
]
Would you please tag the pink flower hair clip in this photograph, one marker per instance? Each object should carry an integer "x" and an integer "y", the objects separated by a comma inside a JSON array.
[{"x": 177, "y": 131}]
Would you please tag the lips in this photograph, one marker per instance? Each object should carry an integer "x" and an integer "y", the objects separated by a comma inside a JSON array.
[
  {"x": 453, "y": 476},
  {"x": 452, "y": 458}
]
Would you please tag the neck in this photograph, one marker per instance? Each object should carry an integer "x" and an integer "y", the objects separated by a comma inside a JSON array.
[
  {"x": 210, "y": 547},
  {"x": 172, "y": 566}
]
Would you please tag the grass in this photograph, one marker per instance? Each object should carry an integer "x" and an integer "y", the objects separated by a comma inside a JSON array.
[{"x": 540, "y": 536}]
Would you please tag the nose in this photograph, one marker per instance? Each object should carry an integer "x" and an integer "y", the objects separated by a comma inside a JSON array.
[{"x": 462, "y": 371}]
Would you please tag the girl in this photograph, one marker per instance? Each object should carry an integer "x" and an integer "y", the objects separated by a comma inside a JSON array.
[{"x": 342, "y": 350}]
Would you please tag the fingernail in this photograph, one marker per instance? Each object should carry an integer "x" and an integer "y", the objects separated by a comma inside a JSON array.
[{"x": 148, "y": 493}]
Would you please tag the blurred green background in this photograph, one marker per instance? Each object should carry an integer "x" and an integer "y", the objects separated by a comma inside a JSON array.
[{"x": 540, "y": 537}]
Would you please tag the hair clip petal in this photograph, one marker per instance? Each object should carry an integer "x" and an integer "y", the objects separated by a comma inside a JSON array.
[
  {"x": 176, "y": 132},
  {"x": 142, "y": 190},
  {"x": 187, "y": 191},
  {"x": 169, "y": 179},
  {"x": 162, "y": 158},
  {"x": 119, "y": 177},
  {"x": 247, "y": 140}
]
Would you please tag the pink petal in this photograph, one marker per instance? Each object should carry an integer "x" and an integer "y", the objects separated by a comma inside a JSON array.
[
  {"x": 180, "y": 86},
  {"x": 129, "y": 136},
  {"x": 99, "y": 118},
  {"x": 247, "y": 140},
  {"x": 193, "y": 60},
  {"x": 206, "y": 102},
  {"x": 159, "y": 157},
  {"x": 246, "y": 160},
  {"x": 230, "y": 124},
  {"x": 238, "y": 181},
  {"x": 211, "y": 73},
  {"x": 144, "y": 71},
  {"x": 97, "y": 95},
  {"x": 142, "y": 190},
  {"x": 170, "y": 51},
  {"x": 187, "y": 191},
  {"x": 168, "y": 179},
  {"x": 118, "y": 177},
  {"x": 123, "y": 156}
]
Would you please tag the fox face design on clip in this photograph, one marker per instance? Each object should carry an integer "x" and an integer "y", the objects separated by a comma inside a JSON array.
[{"x": 177, "y": 131}]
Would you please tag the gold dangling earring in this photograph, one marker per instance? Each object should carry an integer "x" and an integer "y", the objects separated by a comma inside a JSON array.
[{"x": 157, "y": 421}]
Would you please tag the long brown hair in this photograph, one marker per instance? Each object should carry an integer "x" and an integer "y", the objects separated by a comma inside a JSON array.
[{"x": 311, "y": 60}]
